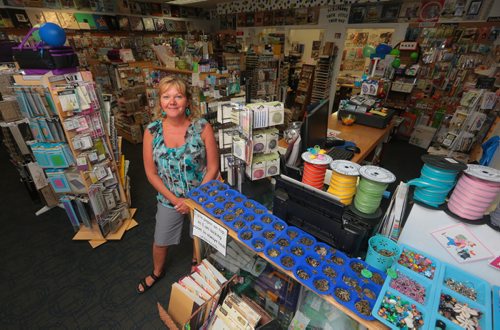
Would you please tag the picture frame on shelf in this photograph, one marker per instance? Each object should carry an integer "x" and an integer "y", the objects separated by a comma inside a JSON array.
[
  {"x": 373, "y": 13},
  {"x": 390, "y": 12},
  {"x": 474, "y": 8},
  {"x": 357, "y": 14}
]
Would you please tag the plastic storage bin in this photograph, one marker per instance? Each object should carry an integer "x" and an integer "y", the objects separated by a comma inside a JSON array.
[
  {"x": 482, "y": 302},
  {"x": 427, "y": 266},
  {"x": 496, "y": 306},
  {"x": 382, "y": 252}
]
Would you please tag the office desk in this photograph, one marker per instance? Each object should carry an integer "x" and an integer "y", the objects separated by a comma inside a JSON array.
[
  {"x": 193, "y": 205},
  {"x": 366, "y": 138}
]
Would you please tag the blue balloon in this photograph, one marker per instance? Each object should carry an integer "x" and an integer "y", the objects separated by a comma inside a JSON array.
[
  {"x": 383, "y": 49},
  {"x": 52, "y": 34}
]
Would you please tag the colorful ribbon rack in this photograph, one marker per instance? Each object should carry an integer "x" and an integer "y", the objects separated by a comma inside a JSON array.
[
  {"x": 315, "y": 164},
  {"x": 476, "y": 189},
  {"x": 344, "y": 180},
  {"x": 437, "y": 178},
  {"x": 371, "y": 187}
]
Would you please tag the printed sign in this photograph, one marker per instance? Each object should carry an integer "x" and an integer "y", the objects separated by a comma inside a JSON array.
[
  {"x": 337, "y": 14},
  {"x": 210, "y": 232}
]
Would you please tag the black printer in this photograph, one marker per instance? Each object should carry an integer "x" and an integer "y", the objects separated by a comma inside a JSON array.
[{"x": 321, "y": 215}]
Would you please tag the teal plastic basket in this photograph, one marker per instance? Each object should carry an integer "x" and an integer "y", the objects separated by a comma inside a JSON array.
[{"x": 379, "y": 243}]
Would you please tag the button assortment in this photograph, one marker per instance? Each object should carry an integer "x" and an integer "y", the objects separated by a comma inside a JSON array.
[
  {"x": 400, "y": 312},
  {"x": 418, "y": 263},
  {"x": 459, "y": 313},
  {"x": 438, "y": 295},
  {"x": 317, "y": 265}
]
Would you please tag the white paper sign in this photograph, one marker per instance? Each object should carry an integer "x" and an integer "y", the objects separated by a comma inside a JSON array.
[{"x": 209, "y": 231}]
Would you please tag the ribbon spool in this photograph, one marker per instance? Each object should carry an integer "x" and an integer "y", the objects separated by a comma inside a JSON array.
[
  {"x": 371, "y": 187},
  {"x": 315, "y": 166},
  {"x": 495, "y": 218},
  {"x": 437, "y": 178},
  {"x": 344, "y": 180},
  {"x": 476, "y": 189}
]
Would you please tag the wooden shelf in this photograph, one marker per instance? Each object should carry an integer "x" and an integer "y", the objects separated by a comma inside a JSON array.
[{"x": 368, "y": 324}]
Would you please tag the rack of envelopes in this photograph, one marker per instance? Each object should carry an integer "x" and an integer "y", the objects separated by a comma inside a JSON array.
[
  {"x": 71, "y": 144},
  {"x": 350, "y": 282}
]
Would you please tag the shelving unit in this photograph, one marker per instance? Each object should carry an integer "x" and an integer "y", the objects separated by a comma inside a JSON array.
[
  {"x": 372, "y": 325},
  {"x": 304, "y": 88},
  {"x": 76, "y": 153},
  {"x": 322, "y": 78},
  {"x": 263, "y": 73}
]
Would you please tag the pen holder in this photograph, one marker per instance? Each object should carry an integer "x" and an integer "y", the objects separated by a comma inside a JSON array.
[{"x": 382, "y": 252}]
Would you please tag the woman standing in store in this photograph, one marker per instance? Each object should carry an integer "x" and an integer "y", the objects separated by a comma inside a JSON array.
[{"x": 180, "y": 153}]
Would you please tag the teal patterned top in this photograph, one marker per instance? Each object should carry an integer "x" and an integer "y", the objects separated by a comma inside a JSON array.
[{"x": 181, "y": 169}]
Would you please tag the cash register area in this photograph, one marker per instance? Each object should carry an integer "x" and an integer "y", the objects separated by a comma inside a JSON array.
[{"x": 48, "y": 282}]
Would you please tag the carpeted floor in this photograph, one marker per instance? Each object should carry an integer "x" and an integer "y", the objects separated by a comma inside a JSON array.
[{"x": 47, "y": 280}]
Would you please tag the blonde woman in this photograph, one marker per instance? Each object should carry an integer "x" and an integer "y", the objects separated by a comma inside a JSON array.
[{"x": 179, "y": 153}]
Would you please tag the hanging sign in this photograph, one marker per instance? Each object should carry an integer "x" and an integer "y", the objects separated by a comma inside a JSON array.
[
  {"x": 209, "y": 231},
  {"x": 337, "y": 14}
]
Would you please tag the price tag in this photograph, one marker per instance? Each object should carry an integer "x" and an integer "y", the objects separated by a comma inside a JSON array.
[
  {"x": 73, "y": 77},
  {"x": 210, "y": 232}
]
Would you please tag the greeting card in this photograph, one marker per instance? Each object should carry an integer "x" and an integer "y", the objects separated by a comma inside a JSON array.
[{"x": 461, "y": 244}]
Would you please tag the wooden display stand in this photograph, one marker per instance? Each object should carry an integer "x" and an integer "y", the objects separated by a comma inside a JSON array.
[
  {"x": 234, "y": 235},
  {"x": 95, "y": 237}
]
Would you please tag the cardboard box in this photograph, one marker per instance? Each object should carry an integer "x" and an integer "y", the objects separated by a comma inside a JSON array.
[{"x": 9, "y": 111}]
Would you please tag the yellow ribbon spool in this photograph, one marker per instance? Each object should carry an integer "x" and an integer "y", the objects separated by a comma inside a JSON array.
[{"x": 344, "y": 180}]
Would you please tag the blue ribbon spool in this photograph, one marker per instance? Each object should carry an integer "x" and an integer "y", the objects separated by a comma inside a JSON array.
[{"x": 437, "y": 178}]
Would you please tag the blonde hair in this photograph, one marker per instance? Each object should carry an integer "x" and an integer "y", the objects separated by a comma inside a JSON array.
[{"x": 165, "y": 84}]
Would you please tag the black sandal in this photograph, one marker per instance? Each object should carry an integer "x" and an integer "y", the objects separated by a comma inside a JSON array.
[{"x": 145, "y": 286}]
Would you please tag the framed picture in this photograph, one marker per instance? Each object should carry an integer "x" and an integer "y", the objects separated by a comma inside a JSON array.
[
  {"x": 357, "y": 14},
  {"x": 474, "y": 8},
  {"x": 390, "y": 12},
  {"x": 373, "y": 13}
]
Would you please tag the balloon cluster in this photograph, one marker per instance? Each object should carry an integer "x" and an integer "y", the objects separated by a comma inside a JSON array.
[{"x": 382, "y": 50}]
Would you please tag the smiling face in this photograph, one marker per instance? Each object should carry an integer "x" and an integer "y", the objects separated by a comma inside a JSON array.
[{"x": 173, "y": 102}]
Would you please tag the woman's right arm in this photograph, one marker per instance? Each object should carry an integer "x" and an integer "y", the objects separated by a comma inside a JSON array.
[{"x": 152, "y": 171}]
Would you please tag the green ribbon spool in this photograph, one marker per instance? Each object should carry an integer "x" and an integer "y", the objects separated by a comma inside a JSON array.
[{"x": 369, "y": 195}]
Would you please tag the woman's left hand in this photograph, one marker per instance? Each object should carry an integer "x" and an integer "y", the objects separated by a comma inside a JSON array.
[{"x": 181, "y": 207}]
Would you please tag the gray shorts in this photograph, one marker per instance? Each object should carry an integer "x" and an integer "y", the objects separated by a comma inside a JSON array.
[{"x": 168, "y": 229}]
